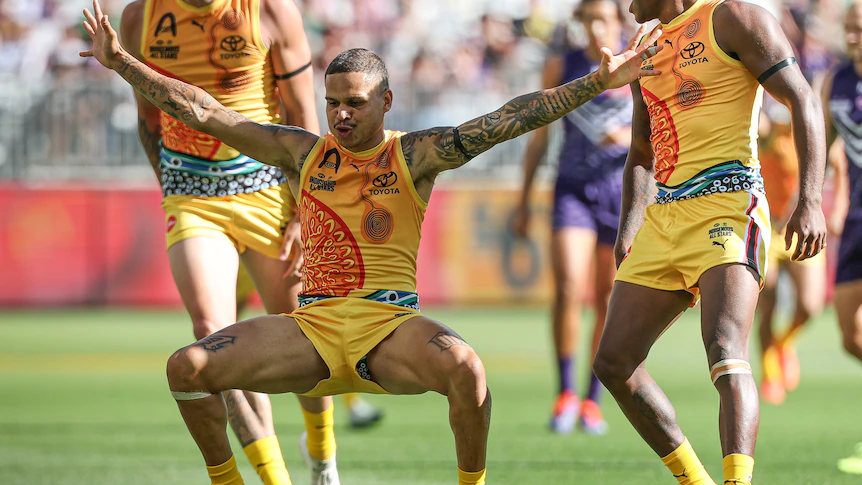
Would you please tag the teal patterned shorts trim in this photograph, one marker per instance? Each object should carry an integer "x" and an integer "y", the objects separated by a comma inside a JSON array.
[
  {"x": 404, "y": 299},
  {"x": 730, "y": 176}
]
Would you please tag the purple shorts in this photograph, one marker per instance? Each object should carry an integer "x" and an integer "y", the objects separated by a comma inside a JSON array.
[
  {"x": 591, "y": 204},
  {"x": 850, "y": 253}
]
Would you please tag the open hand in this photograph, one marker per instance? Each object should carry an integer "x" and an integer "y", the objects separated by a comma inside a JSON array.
[
  {"x": 106, "y": 45},
  {"x": 809, "y": 225},
  {"x": 624, "y": 68}
]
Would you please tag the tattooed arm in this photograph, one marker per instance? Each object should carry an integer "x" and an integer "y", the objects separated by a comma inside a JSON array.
[
  {"x": 432, "y": 151},
  {"x": 149, "y": 124},
  {"x": 277, "y": 145},
  {"x": 638, "y": 187}
]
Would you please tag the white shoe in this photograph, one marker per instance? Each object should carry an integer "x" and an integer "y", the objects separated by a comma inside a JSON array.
[
  {"x": 323, "y": 472},
  {"x": 364, "y": 414}
]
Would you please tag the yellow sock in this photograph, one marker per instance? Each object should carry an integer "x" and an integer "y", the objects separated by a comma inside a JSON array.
[
  {"x": 321, "y": 436},
  {"x": 471, "y": 478},
  {"x": 265, "y": 457},
  {"x": 738, "y": 469},
  {"x": 350, "y": 398},
  {"x": 686, "y": 467},
  {"x": 771, "y": 364},
  {"x": 225, "y": 474}
]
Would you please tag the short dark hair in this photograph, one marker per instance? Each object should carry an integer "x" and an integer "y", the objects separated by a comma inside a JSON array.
[
  {"x": 361, "y": 60},
  {"x": 579, "y": 10}
]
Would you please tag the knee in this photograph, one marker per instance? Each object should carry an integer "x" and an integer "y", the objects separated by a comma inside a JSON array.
[
  {"x": 466, "y": 375},
  {"x": 610, "y": 369},
  {"x": 186, "y": 370}
]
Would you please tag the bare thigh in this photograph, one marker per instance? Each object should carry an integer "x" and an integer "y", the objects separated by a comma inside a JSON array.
[
  {"x": 572, "y": 250},
  {"x": 267, "y": 354},
  {"x": 205, "y": 271},
  {"x": 279, "y": 294},
  {"x": 418, "y": 357}
]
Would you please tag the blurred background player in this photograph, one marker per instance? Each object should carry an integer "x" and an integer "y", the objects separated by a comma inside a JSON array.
[
  {"x": 843, "y": 104},
  {"x": 361, "y": 413},
  {"x": 221, "y": 206},
  {"x": 780, "y": 169},
  {"x": 586, "y": 211}
]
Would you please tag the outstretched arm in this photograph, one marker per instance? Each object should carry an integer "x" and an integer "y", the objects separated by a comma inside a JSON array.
[
  {"x": 755, "y": 37},
  {"x": 638, "y": 186},
  {"x": 432, "y": 151},
  {"x": 149, "y": 122},
  {"x": 552, "y": 75},
  {"x": 272, "y": 144}
]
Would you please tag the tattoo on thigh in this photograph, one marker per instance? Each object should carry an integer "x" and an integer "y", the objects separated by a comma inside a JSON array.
[
  {"x": 651, "y": 403},
  {"x": 214, "y": 343},
  {"x": 447, "y": 339}
]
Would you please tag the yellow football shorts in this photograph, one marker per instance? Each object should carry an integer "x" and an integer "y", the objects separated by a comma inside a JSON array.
[
  {"x": 253, "y": 220},
  {"x": 779, "y": 255},
  {"x": 344, "y": 330},
  {"x": 681, "y": 240}
]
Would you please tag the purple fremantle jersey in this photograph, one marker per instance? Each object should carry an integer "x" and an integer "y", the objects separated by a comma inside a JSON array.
[
  {"x": 584, "y": 156},
  {"x": 845, "y": 104}
]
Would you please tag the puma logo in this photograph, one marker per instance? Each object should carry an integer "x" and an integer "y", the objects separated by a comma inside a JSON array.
[
  {"x": 355, "y": 166},
  {"x": 199, "y": 25},
  {"x": 669, "y": 42},
  {"x": 716, "y": 243},
  {"x": 684, "y": 474}
]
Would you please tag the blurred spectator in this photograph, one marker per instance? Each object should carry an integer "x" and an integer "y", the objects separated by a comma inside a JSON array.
[{"x": 449, "y": 60}]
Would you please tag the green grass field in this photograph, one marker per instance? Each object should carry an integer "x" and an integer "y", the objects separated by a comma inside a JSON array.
[{"x": 84, "y": 401}]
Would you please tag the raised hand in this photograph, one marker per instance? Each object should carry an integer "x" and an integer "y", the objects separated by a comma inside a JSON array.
[
  {"x": 106, "y": 45},
  {"x": 625, "y": 68}
]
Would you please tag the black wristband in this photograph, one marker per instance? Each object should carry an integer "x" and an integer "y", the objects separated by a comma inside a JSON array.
[
  {"x": 772, "y": 70},
  {"x": 459, "y": 145},
  {"x": 282, "y": 77}
]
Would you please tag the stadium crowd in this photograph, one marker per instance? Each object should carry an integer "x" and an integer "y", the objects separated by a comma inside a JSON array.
[{"x": 449, "y": 61}]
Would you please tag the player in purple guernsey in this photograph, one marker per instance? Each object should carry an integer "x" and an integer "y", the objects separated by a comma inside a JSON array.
[
  {"x": 586, "y": 210},
  {"x": 843, "y": 104}
]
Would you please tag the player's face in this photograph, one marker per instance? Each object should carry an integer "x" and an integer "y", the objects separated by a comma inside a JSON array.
[
  {"x": 602, "y": 24},
  {"x": 853, "y": 33},
  {"x": 645, "y": 10},
  {"x": 355, "y": 108}
]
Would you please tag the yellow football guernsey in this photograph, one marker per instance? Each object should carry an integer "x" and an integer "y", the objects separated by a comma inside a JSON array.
[
  {"x": 361, "y": 223},
  {"x": 361, "y": 219},
  {"x": 218, "y": 48},
  {"x": 710, "y": 208},
  {"x": 703, "y": 108}
]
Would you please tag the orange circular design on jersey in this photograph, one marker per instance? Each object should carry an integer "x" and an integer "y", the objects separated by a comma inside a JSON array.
[
  {"x": 663, "y": 135},
  {"x": 233, "y": 19},
  {"x": 693, "y": 29},
  {"x": 333, "y": 263}
]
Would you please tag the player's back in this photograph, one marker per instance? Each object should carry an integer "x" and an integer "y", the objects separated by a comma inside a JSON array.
[
  {"x": 703, "y": 110},
  {"x": 219, "y": 48},
  {"x": 361, "y": 219}
]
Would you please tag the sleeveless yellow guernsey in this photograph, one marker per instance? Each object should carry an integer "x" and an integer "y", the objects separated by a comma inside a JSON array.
[
  {"x": 361, "y": 219},
  {"x": 703, "y": 110},
  {"x": 218, "y": 48}
]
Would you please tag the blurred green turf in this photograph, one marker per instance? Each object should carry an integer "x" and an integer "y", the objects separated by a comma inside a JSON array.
[{"x": 83, "y": 400}]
